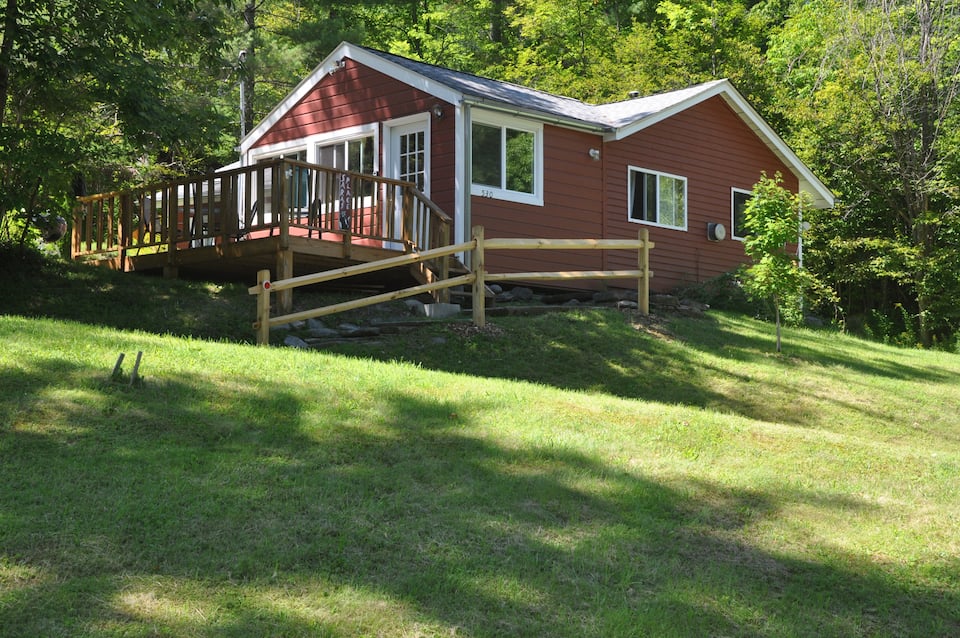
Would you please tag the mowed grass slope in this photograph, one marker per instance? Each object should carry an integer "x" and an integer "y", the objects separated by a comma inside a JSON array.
[{"x": 570, "y": 476}]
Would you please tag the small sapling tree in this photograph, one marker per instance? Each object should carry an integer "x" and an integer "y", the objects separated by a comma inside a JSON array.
[{"x": 772, "y": 219}]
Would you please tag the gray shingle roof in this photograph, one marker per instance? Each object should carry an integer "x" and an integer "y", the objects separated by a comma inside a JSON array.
[{"x": 605, "y": 116}]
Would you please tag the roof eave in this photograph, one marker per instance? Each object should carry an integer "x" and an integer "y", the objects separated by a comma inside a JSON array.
[{"x": 549, "y": 118}]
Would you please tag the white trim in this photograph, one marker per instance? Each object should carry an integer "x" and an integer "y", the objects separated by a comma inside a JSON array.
[
  {"x": 686, "y": 207},
  {"x": 348, "y": 134},
  {"x": 280, "y": 148},
  {"x": 733, "y": 225},
  {"x": 389, "y": 170},
  {"x": 503, "y": 122}
]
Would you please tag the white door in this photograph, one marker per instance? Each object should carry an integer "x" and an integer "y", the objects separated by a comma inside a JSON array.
[{"x": 410, "y": 161}]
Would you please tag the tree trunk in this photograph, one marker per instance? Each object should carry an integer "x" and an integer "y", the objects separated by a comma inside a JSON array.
[
  {"x": 776, "y": 310},
  {"x": 11, "y": 19},
  {"x": 247, "y": 69}
]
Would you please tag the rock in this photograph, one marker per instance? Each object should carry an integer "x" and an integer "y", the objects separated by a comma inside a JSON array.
[
  {"x": 415, "y": 307},
  {"x": 315, "y": 324},
  {"x": 605, "y": 296},
  {"x": 572, "y": 302},
  {"x": 564, "y": 297},
  {"x": 522, "y": 294},
  {"x": 664, "y": 301},
  {"x": 495, "y": 288},
  {"x": 626, "y": 304},
  {"x": 323, "y": 333},
  {"x": 347, "y": 327},
  {"x": 294, "y": 341},
  {"x": 355, "y": 332}
]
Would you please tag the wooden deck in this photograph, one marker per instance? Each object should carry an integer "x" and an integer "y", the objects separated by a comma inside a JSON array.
[{"x": 289, "y": 217}]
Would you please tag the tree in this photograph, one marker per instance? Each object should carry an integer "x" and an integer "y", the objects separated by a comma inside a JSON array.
[
  {"x": 87, "y": 86},
  {"x": 875, "y": 108},
  {"x": 772, "y": 219}
]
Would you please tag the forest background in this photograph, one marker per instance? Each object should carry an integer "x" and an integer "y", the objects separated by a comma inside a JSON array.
[{"x": 97, "y": 95}]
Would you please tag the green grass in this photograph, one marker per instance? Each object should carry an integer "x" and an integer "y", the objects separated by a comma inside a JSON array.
[{"x": 568, "y": 476}]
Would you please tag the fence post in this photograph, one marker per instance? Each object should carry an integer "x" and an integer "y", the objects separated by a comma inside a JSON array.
[
  {"x": 643, "y": 285},
  {"x": 478, "y": 264},
  {"x": 263, "y": 308}
]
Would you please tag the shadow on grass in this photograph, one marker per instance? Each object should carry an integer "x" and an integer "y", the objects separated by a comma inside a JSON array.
[
  {"x": 697, "y": 364},
  {"x": 179, "y": 496}
]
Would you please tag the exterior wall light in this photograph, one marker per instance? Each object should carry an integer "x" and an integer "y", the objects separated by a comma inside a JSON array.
[
  {"x": 336, "y": 66},
  {"x": 437, "y": 111},
  {"x": 595, "y": 154}
]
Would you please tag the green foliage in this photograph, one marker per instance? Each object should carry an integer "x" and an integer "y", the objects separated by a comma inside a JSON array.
[
  {"x": 772, "y": 219},
  {"x": 870, "y": 90}
]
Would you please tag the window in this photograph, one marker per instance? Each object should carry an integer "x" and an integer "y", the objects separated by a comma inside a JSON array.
[
  {"x": 658, "y": 198},
  {"x": 350, "y": 155},
  {"x": 739, "y": 199},
  {"x": 505, "y": 155},
  {"x": 297, "y": 178}
]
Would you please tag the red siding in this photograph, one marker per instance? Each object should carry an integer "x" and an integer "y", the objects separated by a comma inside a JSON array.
[
  {"x": 359, "y": 95},
  {"x": 715, "y": 150},
  {"x": 572, "y": 208},
  {"x": 708, "y": 144}
]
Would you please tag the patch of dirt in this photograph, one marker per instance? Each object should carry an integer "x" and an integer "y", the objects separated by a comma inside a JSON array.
[
  {"x": 467, "y": 330},
  {"x": 653, "y": 325}
]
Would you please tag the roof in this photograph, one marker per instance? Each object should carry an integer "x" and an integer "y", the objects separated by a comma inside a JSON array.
[{"x": 614, "y": 121}]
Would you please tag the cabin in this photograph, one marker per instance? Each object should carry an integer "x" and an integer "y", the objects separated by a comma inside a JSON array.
[
  {"x": 375, "y": 155},
  {"x": 524, "y": 163}
]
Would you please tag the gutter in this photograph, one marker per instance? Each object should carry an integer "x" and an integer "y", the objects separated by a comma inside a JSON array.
[{"x": 496, "y": 105}]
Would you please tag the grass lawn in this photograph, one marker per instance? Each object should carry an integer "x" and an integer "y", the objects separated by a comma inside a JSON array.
[{"x": 564, "y": 475}]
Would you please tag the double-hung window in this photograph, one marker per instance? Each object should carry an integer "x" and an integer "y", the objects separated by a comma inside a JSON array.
[
  {"x": 507, "y": 159},
  {"x": 657, "y": 198},
  {"x": 738, "y": 204}
]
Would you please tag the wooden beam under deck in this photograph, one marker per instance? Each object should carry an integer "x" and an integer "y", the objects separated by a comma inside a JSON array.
[{"x": 242, "y": 259}]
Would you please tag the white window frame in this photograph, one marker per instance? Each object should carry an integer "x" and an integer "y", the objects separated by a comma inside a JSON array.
[
  {"x": 504, "y": 122},
  {"x": 734, "y": 191},
  {"x": 343, "y": 136},
  {"x": 631, "y": 170}
]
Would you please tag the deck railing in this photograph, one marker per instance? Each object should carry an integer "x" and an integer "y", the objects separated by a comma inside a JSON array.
[{"x": 277, "y": 197}]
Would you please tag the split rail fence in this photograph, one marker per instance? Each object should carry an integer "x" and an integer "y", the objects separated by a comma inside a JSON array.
[{"x": 477, "y": 279}]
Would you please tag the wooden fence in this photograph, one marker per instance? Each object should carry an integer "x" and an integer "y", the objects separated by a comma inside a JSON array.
[{"x": 477, "y": 279}]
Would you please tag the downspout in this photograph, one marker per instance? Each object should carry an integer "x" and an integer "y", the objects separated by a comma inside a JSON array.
[
  {"x": 603, "y": 201},
  {"x": 467, "y": 156}
]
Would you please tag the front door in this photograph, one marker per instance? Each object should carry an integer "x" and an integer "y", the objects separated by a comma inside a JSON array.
[{"x": 409, "y": 160}]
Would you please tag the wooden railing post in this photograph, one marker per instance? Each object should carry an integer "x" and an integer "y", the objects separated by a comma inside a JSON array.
[
  {"x": 125, "y": 233},
  {"x": 173, "y": 218},
  {"x": 643, "y": 265},
  {"x": 406, "y": 221},
  {"x": 263, "y": 308},
  {"x": 280, "y": 201},
  {"x": 478, "y": 265},
  {"x": 78, "y": 217},
  {"x": 444, "y": 261}
]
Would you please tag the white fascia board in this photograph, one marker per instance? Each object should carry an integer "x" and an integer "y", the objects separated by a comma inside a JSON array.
[
  {"x": 320, "y": 72},
  {"x": 808, "y": 182}
]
